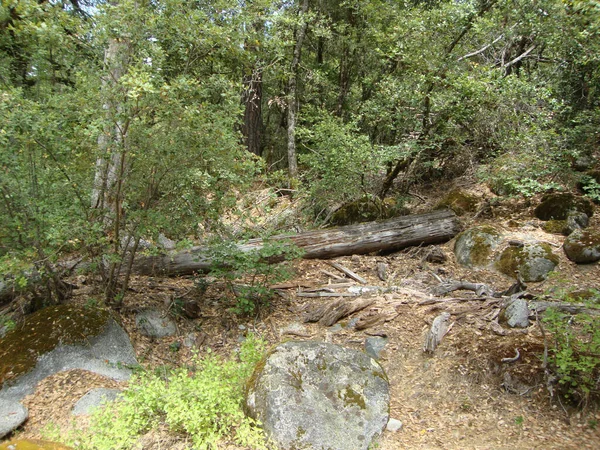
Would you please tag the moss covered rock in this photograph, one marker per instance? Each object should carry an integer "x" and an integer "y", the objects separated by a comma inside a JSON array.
[
  {"x": 475, "y": 247},
  {"x": 583, "y": 247},
  {"x": 458, "y": 201},
  {"x": 43, "y": 331},
  {"x": 367, "y": 209},
  {"x": 558, "y": 206},
  {"x": 532, "y": 261},
  {"x": 556, "y": 227}
]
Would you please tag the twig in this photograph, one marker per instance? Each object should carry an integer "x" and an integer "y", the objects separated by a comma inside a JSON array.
[{"x": 513, "y": 359}]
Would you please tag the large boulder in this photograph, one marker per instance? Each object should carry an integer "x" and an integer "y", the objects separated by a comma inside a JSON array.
[
  {"x": 474, "y": 247},
  {"x": 319, "y": 396},
  {"x": 583, "y": 247},
  {"x": 559, "y": 206},
  {"x": 531, "y": 261},
  {"x": 61, "y": 338}
]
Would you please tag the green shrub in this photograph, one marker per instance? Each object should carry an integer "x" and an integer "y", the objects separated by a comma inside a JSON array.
[
  {"x": 249, "y": 273},
  {"x": 203, "y": 401},
  {"x": 575, "y": 351}
]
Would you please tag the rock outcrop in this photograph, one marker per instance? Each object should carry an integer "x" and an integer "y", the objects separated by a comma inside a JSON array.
[{"x": 315, "y": 395}]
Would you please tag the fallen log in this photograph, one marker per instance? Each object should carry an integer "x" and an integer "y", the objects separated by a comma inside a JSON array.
[
  {"x": 387, "y": 236},
  {"x": 390, "y": 235}
]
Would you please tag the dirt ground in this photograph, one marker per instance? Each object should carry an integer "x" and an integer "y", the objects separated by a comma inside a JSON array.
[{"x": 460, "y": 397}]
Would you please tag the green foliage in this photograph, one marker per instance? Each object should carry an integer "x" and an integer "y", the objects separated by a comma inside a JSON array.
[
  {"x": 591, "y": 187},
  {"x": 250, "y": 272},
  {"x": 203, "y": 401},
  {"x": 575, "y": 348},
  {"x": 341, "y": 163}
]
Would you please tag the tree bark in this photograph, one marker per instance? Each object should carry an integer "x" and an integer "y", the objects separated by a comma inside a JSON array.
[
  {"x": 292, "y": 104},
  {"x": 387, "y": 236}
]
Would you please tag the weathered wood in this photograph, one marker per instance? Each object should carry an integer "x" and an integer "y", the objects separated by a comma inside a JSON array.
[
  {"x": 348, "y": 272},
  {"x": 390, "y": 235},
  {"x": 330, "y": 313},
  {"x": 572, "y": 308},
  {"x": 436, "y": 333}
]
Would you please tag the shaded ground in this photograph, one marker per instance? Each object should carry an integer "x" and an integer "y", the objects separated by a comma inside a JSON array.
[{"x": 459, "y": 398}]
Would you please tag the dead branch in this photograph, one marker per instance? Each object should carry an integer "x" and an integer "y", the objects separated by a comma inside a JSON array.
[{"x": 347, "y": 271}]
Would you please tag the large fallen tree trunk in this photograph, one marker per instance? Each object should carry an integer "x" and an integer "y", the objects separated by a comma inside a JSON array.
[{"x": 387, "y": 236}]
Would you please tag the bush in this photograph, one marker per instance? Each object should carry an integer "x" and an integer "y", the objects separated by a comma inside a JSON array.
[
  {"x": 203, "y": 401},
  {"x": 575, "y": 351},
  {"x": 249, "y": 273}
]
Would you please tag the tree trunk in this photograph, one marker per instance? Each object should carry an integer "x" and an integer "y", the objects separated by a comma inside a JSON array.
[
  {"x": 252, "y": 98},
  {"x": 292, "y": 104},
  {"x": 387, "y": 236}
]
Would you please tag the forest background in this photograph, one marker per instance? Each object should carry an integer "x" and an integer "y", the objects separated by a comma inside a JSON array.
[{"x": 124, "y": 121}]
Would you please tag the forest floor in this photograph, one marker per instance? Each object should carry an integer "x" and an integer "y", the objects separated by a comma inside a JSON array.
[{"x": 461, "y": 397}]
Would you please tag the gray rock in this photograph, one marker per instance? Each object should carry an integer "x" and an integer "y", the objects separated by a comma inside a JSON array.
[
  {"x": 335, "y": 328},
  {"x": 474, "y": 248},
  {"x": 295, "y": 329},
  {"x": 165, "y": 242},
  {"x": 189, "y": 340},
  {"x": 374, "y": 345},
  {"x": 12, "y": 415},
  {"x": 516, "y": 314},
  {"x": 394, "y": 425},
  {"x": 583, "y": 247},
  {"x": 152, "y": 323},
  {"x": 576, "y": 221},
  {"x": 107, "y": 354},
  {"x": 3, "y": 331},
  {"x": 93, "y": 399},
  {"x": 315, "y": 395}
]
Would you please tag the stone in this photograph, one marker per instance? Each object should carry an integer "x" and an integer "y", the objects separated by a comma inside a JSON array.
[
  {"x": 458, "y": 201},
  {"x": 473, "y": 248},
  {"x": 152, "y": 323},
  {"x": 166, "y": 243},
  {"x": 394, "y": 425},
  {"x": 532, "y": 262},
  {"x": 577, "y": 221},
  {"x": 295, "y": 329},
  {"x": 94, "y": 399},
  {"x": 12, "y": 415},
  {"x": 583, "y": 247},
  {"x": 559, "y": 206},
  {"x": 321, "y": 396},
  {"x": 516, "y": 314},
  {"x": 374, "y": 345}
]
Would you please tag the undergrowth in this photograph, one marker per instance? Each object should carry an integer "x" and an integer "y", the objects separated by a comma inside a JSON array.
[
  {"x": 574, "y": 347},
  {"x": 202, "y": 401}
]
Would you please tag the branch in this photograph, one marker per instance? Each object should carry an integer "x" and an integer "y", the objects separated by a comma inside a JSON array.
[
  {"x": 520, "y": 57},
  {"x": 481, "y": 50}
]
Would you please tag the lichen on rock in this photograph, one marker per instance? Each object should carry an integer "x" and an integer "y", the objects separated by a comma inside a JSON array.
[
  {"x": 315, "y": 395},
  {"x": 532, "y": 262},
  {"x": 474, "y": 247}
]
